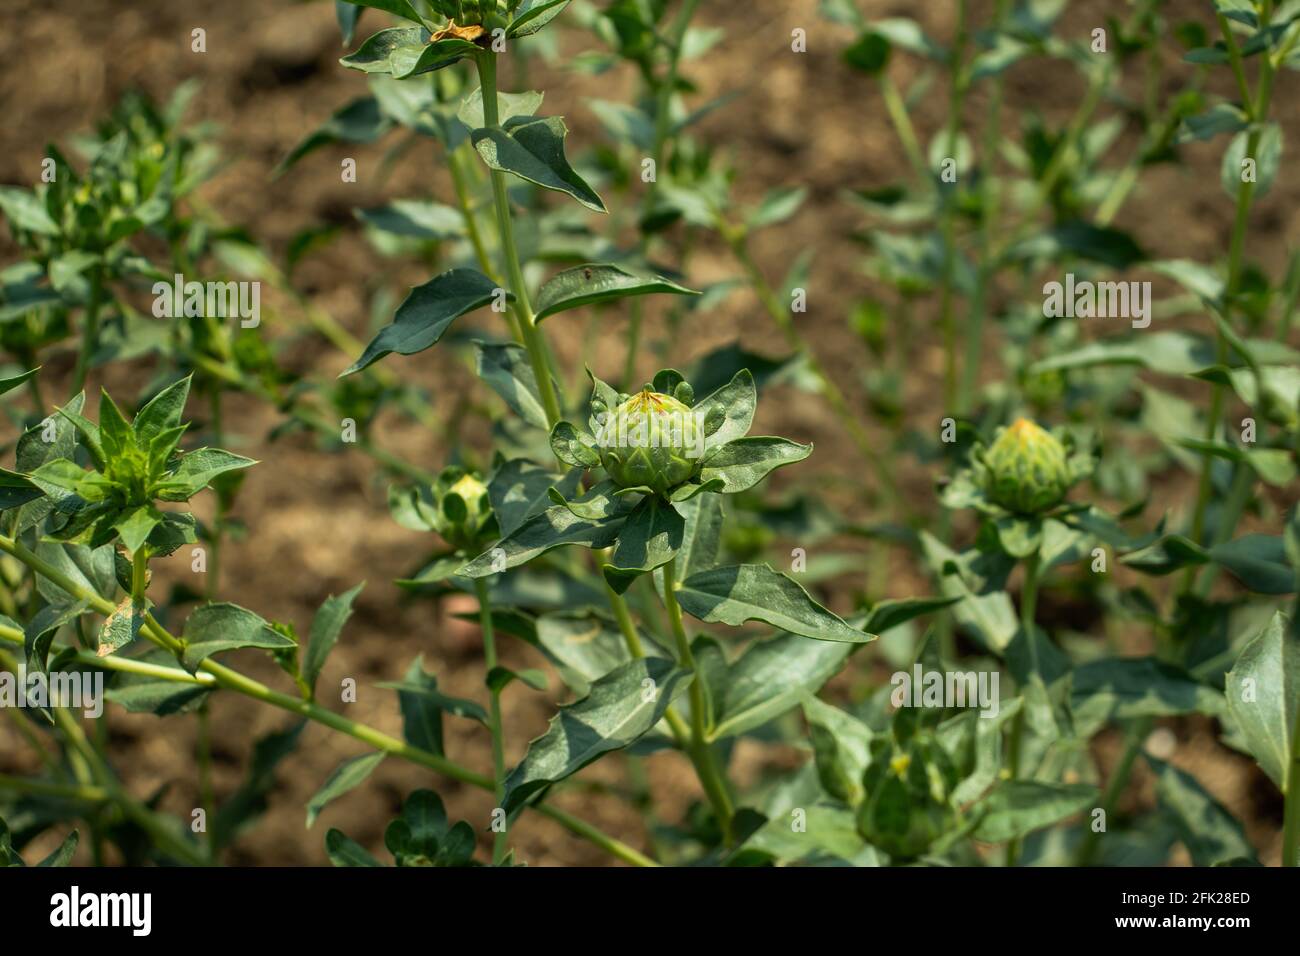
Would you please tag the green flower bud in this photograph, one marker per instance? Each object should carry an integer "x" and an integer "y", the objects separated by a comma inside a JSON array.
[
  {"x": 464, "y": 515},
  {"x": 907, "y": 803},
  {"x": 1026, "y": 470},
  {"x": 651, "y": 440},
  {"x": 465, "y": 12}
]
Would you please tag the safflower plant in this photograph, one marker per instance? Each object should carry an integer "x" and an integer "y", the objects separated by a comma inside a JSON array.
[{"x": 622, "y": 535}]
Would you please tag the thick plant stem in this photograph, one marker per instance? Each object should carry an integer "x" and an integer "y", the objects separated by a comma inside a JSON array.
[
  {"x": 1137, "y": 733},
  {"x": 711, "y": 778},
  {"x": 1028, "y": 607},
  {"x": 139, "y": 575},
  {"x": 233, "y": 680},
  {"x": 663, "y": 95},
  {"x": 947, "y": 323},
  {"x": 203, "y": 758},
  {"x": 213, "y": 577},
  {"x": 494, "y": 711},
  {"x": 623, "y": 616},
  {"x": 90, "y": 330},
  {"x": 989, "y": 200},
  {"x": 28, "y": 360},
  {"x": 43, "y": 788},
  {"x": 1291, "y": 812},
  {"x": 522, "y": 308},
  {"x": 898, "y": 116},
  {"x": 461, "y": 188},
  {"x": 1257, "y": 109}
]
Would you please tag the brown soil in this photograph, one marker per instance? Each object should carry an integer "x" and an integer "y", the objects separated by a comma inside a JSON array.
[{"x": 319, "y": 519}]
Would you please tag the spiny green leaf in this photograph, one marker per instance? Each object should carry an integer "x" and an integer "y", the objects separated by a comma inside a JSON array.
[
  {"x": 197, "y": 470},
  {"x": 743, "y": 463},
  {"x": 591, "y": 284},
  {"x": 1263, "y": 691},
  {"x": 222, "y": 627},
  {"x": 754, "y": 592},
  {"x": 771, "y": 678},
  {"x": 9, "y": 384},
  {"x": 63, "y": 853},
  {"x": 344, "y": 851},
  {"x": 1211, "y": 834},
  {"x": 427, "y": 313},
  {"x": 326, "y": 627},
  {"x": 401, "y": 8},
  {"x": 163, "y": 412},
  {"x": 24, "y": 210},
  {"x": 533, "y": 150},
  {"x": 732, "y": 406},
  {"x": 532, "y": 15},
  {"x": 649, "y": 539},
  {"x": 407, "y": 51},
  {"x": 1124, "y": 688},
  {"x": 1018, "y": 807},
  {"x": 622, "y": 706},
  {"x": 553, "y": 528},
  {"x": 348, "y": 775},
  {"x": 509, "y": 106},
  {"x": 508, "y": 372},
  {"x": 518, "y": 491}
]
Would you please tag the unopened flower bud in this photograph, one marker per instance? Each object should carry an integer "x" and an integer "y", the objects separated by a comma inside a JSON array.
[
  {"x": 464, "y": 517},
  {"x": 1026, "y": 469},
  {"x": 652, "y": 440}
]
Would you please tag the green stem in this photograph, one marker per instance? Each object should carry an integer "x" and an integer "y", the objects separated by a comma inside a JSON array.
[
  {"x": 1137, "y": 733},
  {"x": 715, "y": 787},
  {"x": 90, "y": 332},
  {"x": 664, "y": 88},
  {"x": 1028, "y": 608},
  {"x": 1291, "y": 811},
  {"x": 897, "y": 110},
  {"x": 203, "y": 757},
  {"x": 494, "y": 714},
  {"x": 1029, "y": 593},
  {"x": 956, "y": 95},
  {"x": 486, "y": 61},
  {"x": 622, "y": 615},
  {"x": 139, "y": 575},
  {"x": 461, "y": 188},
  {"x": 235, "y": 681},
  {"x": 125, "y": 665},
  {"x": 1258, "y": 111},
  {"x": 88, "y": 793},
  {"x": 213, "y": 577},
  {"x": 988, "y": 225},
  {"x": 28, "y": 360}
]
